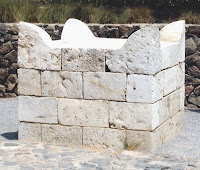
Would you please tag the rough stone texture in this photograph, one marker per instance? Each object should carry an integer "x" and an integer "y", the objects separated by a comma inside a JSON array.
[
  {"x": 62, "y": 84},
  {"x": 36, "y": 50},
  {"x": 83, "y": 112},
  {"x": 8, "y": 59},
  {"x": 29, "y": 82},
  {"x": 30, "y": 132},
  {"x": 83, "y": 60},
  {"x": 38, "y": 109},
  {"x": 103, "y": 138},
  {"x": 180, "y": 75},
  {"x": 57, "y": 134},
  {"x": 135, "y": 116},
  {"x": 140, "y": 54},
  {"x": 145, "y": 88},
  {"x": 107, "y": 86}
]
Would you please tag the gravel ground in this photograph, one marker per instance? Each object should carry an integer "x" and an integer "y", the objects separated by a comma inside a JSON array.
[{"x": 183, "y": 152}]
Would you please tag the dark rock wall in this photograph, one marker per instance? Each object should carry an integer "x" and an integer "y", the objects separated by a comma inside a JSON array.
[
  {"x": 8, "y": 54},
  {"x": 8, "y": 60}
]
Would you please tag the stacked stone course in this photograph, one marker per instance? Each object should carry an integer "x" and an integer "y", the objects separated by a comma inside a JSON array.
[{"x": 126, "y": 98}]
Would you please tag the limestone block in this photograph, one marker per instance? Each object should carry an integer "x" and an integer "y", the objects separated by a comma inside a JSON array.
[
  {"x": 145, "y": 88},
  {"x": 169, "y": 106},
  {"x": 108, "y": 86},
  {"x": 104, "y": 138},
  {"x": 139, "y": 140},
  {"x": 83, "y": 60},
  {"x": 182, "y": 97},
  {"x": 170, "y": 80},
  {"x": 140, "y": 54},
  {"x": 170, "y": 54},
  {"x": 57, "y": 134},
  {"x": 180, "y": 75},
  {"x": 83, "y": 112},
  {"x": 136, "y": 116},
  {"x": 178, "y": 121},
  {"x": 35, "y": 49},
  {"x": 29, "y": 82},
  {"x": 175, "y": 32},
  {"x": 37, "y": 109},
  {"x": 62, "y": 84},
  {"x": 30, "y": 132}
]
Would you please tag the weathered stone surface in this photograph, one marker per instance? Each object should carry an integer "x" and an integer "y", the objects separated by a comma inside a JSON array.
[
  {"x": 31, "y": 132},
  {"x": 83, "y": 60},
  {"x": 196, "y": 81},
  {"x": 194, "y": 71},
  {"x": 57, "y": 134},
  {"x": 145, "y": 88},
  {"x": 189, "y": 79},
  {"x": 190, "y": 46},
  {"x": 104, "y": 138},
  {"x": 37, "y": 109},
  {"x": 136, "y": 116},
  {"x": 188, "y": 90},
  {"x": 194, "y": 99},
  {"x": 192, "y": 59},
  {"x": 4, "y": 63},
  {"x": 2, "y": 28},
  {"x": 11, "y": 82},
  {"x": 169, "y": 106},
  {"x": 139, "y": 140},
  {"x": 140, "y": 54},
  {"x": 12, "y": 56},
  {"x": 197, "y": 91},
  {"x": 180, "y": 75},
  {"x": 2, "y": 90},
  {"x": 170, "y": 79},
  {"x": 178, "y": 121},
  {"x": 10, "y": 95},
  {"x": 6, "y": 48},
  {"x": 83, "y": 112},
  {"x": 62, "y": 84},
  {"x": 3, "y": 74},
  {"x": 29, "y": 82},
  {"x": 13, "y": 68},
  {"x": 108, "y": 86},
  {"x": 35, "y": 49},
  {"x": 194, "y": 30}
]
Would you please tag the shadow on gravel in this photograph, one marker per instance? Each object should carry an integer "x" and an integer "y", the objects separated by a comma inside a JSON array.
[
  {"x": 195, "y": 110},
  {"x": 10, "y": 135}
]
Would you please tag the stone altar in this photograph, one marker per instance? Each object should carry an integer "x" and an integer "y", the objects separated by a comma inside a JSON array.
[{"x": 99, "y": 92}]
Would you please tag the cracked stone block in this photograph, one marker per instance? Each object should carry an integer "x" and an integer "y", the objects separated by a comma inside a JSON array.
[
  {"x": 29, "y": 82},
  {"x": 57, "y": 134},
  {"x": 180, "y": 75},
  {"x": 103, "y": 138},
  {"x": 75, "y": 112},
  {"x": 31, "y": 132},
  {"x": 35, "y": 49},
  {"x": 37, "y": 109},
  {"x": 62, "y": 84},
  {"x": 135, "y": 116},
  {"x": 92, "y": 60},
  {"x": 104, "y": 86},
  {"x": 145, "y": 88}
]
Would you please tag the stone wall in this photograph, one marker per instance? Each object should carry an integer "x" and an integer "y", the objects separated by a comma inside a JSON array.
[
  {"x": 8, "y": 60},
  {"x": 9, "y": 32}
]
